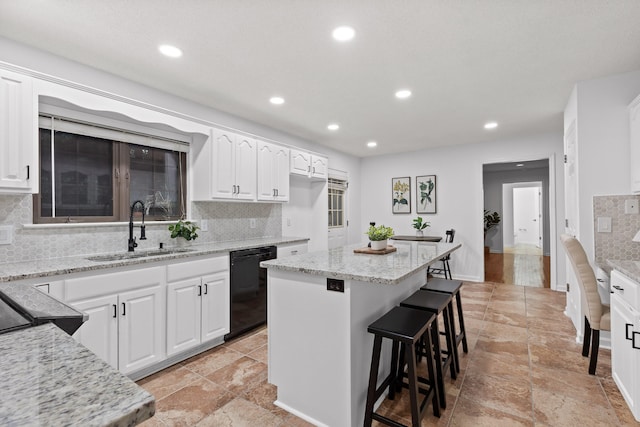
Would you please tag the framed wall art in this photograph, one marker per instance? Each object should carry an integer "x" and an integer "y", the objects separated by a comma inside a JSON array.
[
  {"x": 426, "y": 193},
  {"x": 401, "y": 195}
]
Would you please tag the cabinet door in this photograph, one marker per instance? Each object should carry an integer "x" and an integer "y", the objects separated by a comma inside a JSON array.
[
  {"x": 281, "y": 173},
  {"x": 18, "y": 133},
  {"x": 223, "y": 164},
  {"x": 141, "y": 327},
  {"x": 634, "y": 144},
  {"x": 215, "y": 305},
  {"x": 300, "y": 163},
  {"x": 319, "y": 167},
  {"x": 100, "y": 333},
  {"x": 245, "y": 168},
  {"x": 266, "y": 171},
  {"x": 183, "y": 315},
  {"x": 623, "y": 356}
]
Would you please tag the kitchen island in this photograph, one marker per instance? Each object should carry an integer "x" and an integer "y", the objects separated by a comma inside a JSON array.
[{"x": 319, "y": 347}]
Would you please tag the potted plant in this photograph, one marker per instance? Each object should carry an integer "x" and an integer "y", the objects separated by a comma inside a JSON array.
[
  {"x": 184, "y": 231},
  {"x": 378, "y": 236},
  {"x": 491, "y": 219},
  {"x": 420, "y": 225}
]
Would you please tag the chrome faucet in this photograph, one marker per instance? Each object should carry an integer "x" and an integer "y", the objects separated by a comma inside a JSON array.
[{"x": 132, "y": 240}]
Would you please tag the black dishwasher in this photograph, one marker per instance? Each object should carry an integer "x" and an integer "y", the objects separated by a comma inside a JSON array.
[{"x": 248, "y": 289}]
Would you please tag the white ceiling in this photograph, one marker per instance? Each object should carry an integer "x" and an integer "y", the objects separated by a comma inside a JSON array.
[{"x": 467, "y": 62}]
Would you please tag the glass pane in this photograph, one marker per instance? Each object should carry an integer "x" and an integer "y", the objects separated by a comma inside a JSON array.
[
  {"x": 339, "y": 197},
  {"x": 45, "y": 173},
  {"x": 155, "y": 180},
  {"x": 330, "y": 225},
  {"x": 83, "y": 176}
]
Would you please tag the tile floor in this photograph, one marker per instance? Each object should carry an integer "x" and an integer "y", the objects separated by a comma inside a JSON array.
[{"x": 523, "y": 368}]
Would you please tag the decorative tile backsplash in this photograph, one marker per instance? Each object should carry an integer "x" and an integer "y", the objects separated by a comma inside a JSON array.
[
  {"x": 227, "y": 221},
  {"x": 617, "y": 244}
]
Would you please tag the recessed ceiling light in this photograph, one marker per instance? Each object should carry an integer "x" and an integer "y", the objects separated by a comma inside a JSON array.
[
  {"x": 372, "y": 144},
  {"x": 344, "y": 33},
  {"x": 276, "y": 100},
  {"x": 520, "y": 165},
  {"x": 333, "y": 126},
  {"x": 170, "y": 51},
  {"x": 403, "y": 93},
  {"x": 490, "y": 125}
]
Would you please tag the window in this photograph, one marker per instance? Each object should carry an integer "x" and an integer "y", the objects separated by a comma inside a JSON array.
[
  {"x": 336, "y": 193},
  {"x": 93, "y": 174}
]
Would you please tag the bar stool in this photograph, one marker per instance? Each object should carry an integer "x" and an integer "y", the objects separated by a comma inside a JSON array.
[
  {"x": 438, "y": 304},
  {"x": 405, "y": 327},
  {"x": 451, "y": 287}
]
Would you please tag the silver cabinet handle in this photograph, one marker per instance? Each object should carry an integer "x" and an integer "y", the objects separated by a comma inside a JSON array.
[
  {"x": 277, "y": 192},
  {"x": 206, "y": 289},
  {"x": 199, "y": 290},
  {"x": 633, "y": 341},
  {"x": 238, "y": 190},
  {"x": 115, "y": 311},
  {"x": 626, "y": 331},
  {"x": 124, "y": 309},
  {"x": 234, "y": 190}
]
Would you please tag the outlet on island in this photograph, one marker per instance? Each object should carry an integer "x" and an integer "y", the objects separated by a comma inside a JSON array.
[{"x": 252, "y": 223}]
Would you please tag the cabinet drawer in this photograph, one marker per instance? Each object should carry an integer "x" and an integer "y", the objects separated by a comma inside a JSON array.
[
  {"x": 294, "y": 249},
  {"x": 198, "y": 268},
  {"x": 626, "y": 288}
]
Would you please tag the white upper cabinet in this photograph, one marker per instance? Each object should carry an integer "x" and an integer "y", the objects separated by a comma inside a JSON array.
[
  {"x": 18, "y": 134},
  {"x": 634, "y": 137},
  {"x": 233, "y": 166},
  {"x": 273, "y": 172},
  {"x": 307, "y": 164}
]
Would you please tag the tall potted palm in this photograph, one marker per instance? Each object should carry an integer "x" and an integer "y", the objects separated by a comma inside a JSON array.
[{"x": 491, "y": 219}]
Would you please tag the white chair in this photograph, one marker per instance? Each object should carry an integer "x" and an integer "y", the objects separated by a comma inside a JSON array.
[{"x": 597, "y": 316}]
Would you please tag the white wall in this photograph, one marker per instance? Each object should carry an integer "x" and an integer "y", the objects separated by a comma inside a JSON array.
[
  {"x": 460, "y": 201},
  {"x": 600, "y": 106}
]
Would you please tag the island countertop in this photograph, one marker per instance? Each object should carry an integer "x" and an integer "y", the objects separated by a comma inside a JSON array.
[
  {"x": 50, "y": 379},
  {"x": 343, "y": 263}
]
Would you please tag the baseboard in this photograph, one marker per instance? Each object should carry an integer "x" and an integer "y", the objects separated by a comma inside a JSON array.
[{"x": 299, "y": 414}]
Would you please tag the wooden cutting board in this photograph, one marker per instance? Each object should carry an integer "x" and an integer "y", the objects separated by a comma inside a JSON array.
[{"x": 388, "y": 250}]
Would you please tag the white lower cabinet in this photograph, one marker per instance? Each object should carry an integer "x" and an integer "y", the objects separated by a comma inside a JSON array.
[
  {"x": 126, "y": 316},
  {"x": 197, "y": 303},
  {"x": 625, "y": 339}
]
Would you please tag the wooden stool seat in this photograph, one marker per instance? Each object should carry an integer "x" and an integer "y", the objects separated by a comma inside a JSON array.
[
  {"x": 405, "y": 327},
  {"x": 451, "y": 287}
]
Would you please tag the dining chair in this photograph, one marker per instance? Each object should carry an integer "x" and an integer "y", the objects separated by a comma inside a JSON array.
[
  {"x": 446, "y": 269},
  {"x": 597, "y": 316}
]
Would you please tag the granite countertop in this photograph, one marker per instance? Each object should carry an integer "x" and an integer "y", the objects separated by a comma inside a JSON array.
[
  {"x": 50, "y": 379},
  {"x": 58, "y": 266},
  {"x": 343, "y": 263},
  {"x": 631, "y": 269}
]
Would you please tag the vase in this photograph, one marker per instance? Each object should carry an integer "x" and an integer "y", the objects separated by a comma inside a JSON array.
[
  {"x": 378, "y": 245},
  {"x": 420, "y": 233}
]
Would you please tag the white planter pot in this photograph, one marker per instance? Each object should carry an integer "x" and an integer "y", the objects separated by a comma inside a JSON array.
[
  {"x": 419, "y": 233},
  {"x": 181, "y": 242},
  {"x": 378, "y": 245}
]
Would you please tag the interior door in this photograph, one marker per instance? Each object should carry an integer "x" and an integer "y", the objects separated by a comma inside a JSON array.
[
  {"x": 337, "y": 193},
  {"x": 574, "y": 306}
]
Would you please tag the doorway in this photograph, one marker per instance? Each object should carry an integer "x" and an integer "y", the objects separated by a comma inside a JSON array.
[
  {"x": 519, "y": 248},
  {"x": 337, "y": 192}
]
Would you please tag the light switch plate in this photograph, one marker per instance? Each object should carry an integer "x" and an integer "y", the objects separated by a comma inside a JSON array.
[
  {"x": 631, "y": 206},
  {"x": 6, "y": 234},
  {"x": 604, "y": 224},
  {"x": 204, "y": 225}
]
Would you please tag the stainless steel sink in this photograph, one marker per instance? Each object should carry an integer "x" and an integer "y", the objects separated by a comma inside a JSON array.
[{"x": 133, "y": 255}]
